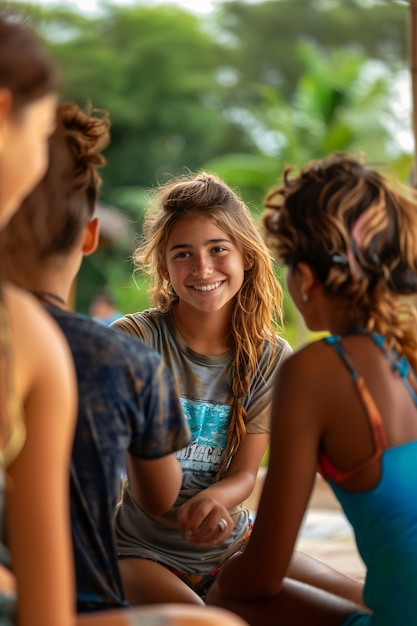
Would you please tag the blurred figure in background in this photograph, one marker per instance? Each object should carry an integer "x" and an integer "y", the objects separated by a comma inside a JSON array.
[{"x": 103, "y": 308}]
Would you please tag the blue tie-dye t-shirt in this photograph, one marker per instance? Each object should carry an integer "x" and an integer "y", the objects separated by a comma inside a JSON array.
[{"x": 127, "y": 402}]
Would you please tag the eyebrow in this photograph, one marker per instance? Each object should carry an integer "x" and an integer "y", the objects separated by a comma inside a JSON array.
[{"x": 206, "y": 243}]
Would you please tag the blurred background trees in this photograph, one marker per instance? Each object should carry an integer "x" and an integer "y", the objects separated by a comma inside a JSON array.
[{"x": 244, "y": 91}]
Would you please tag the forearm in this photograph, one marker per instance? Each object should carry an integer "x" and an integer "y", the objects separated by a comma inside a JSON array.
[
  {"x": 240, "y": 479},
  {"x": 154, "y": 483},
  {"x": 233, "y": 489}
]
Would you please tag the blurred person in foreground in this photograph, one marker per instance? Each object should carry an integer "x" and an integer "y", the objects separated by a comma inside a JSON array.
[{"x": 37, "y": 382}]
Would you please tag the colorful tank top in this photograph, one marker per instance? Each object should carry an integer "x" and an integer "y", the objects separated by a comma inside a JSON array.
[{"x": 384, "y": 519}]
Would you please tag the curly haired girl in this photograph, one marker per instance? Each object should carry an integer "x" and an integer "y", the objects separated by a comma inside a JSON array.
[{"x": 346, "y": 404}]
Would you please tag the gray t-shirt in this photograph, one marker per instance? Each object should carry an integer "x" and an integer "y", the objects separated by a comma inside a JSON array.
[{"x": 206, "y": 399}]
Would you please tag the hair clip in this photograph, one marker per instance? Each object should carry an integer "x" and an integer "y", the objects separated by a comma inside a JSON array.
[{"x": 338, "y": 259}]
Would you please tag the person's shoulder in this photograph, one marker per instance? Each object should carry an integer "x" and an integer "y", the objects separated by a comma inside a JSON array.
[
  {"x": 99, "y": 349},
  {"x": 312, "y": 360},
  {"x": 276, "y": 348},
  {"x": 151, "y": 313},
  {"x": 109, "y": 338},
  {"x": 132, "y": 322},
  {"x": 20, "y": 301},
  {"x": 283, "y": 347},
  {"x": 38, "y": 344},
  {"x": 130, "y": 353},
  {"x": 27, "y": 316}
]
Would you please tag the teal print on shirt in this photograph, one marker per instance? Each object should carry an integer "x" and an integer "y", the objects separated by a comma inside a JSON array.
[{"x": 208, "y": 423}]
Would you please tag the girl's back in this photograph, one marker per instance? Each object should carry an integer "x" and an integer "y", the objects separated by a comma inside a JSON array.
[
  {"x": 347, "y": 435},
  {"x": 373, "y": 436}
]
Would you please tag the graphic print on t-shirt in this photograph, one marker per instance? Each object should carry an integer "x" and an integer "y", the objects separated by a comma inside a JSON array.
[{"x": 208, "y": 423}]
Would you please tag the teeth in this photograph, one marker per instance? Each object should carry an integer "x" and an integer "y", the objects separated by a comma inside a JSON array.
[{"x": 207, "y": 287}]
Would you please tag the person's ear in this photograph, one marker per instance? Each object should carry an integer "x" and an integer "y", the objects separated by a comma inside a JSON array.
[
  {"x": 5, "y": 113},
  {"x": 165, "y": 274},
  {"x": 307, "y": 280},
  {"x": 91, "y": 236},
  {"x": 248, "y": 264}
]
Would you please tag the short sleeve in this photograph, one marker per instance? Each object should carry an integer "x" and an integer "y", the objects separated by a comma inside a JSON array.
[
  {"x": 128, "y": 324},
  {"x": 258, "y": 402},
  {"x": 158, "y": 424}
]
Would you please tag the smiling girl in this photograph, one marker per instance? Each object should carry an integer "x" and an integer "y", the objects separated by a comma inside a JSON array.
[{"x": 217, "y": 308}]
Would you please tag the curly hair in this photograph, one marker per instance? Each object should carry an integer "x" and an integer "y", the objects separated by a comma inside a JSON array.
[
  {"x": 256, "y": 311},
  {"x": 357, "y": 230},
  {"x": 52, "y": 216}
]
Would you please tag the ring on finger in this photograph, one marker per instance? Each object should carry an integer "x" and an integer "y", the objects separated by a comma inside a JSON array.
[{"x": 222, "y": 524}]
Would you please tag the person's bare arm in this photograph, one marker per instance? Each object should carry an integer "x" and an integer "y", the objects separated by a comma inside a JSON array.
[
  {"x": 199, "y": 516},
  {"x": 291, "y": 472},
  {"x": 154, "y": 483},
  {"x": 37, "y": 499}
]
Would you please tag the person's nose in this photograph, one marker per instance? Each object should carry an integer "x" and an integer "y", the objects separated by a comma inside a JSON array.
[{"x": 202, "y": 265}]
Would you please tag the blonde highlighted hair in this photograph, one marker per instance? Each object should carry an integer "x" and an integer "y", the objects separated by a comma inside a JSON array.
[
  {"x": 357, "y": 230},
  {"x": 256, "y": 311}
]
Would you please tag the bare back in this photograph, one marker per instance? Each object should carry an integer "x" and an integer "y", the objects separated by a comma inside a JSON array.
[{"x": 347, "y": 437}]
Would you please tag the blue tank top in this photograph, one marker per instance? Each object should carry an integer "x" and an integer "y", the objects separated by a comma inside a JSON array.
[{"x": 384, "y": 519}]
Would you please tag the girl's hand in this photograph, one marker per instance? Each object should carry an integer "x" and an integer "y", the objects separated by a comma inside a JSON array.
[{"x": 205, "y": 520}]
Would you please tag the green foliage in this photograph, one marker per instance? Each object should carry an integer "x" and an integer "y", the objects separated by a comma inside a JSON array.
[
  {"x": 154, "y": 69},
  {"x": 332, "y": 108},
  {"x": 249, "y": 174},
  {"x": 256, "y": 87},
  {"x": 263, "y": 37}
]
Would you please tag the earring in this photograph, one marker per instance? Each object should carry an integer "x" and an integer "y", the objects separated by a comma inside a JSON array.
[{"x": 305, "y": 298}]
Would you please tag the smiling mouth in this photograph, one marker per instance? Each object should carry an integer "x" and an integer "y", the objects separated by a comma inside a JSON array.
[{"x": 207, "y": 287}]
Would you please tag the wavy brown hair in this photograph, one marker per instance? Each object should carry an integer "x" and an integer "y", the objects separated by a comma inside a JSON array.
[
  {"x": 357, "y": 229},
  {"x": 256, "y": 311}
]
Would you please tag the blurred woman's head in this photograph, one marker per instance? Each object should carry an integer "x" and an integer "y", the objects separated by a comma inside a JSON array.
[
  {"x": 28, "y": 84},
  {"x": 52, "y": 217}
]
